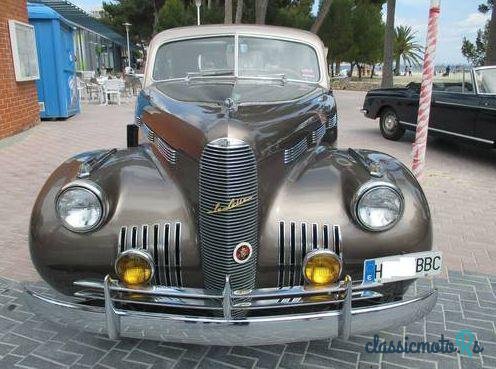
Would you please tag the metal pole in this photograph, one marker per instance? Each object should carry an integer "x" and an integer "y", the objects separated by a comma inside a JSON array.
[
  {"x": 419, "y": 146},
  {"x": 127, "y": 25},
  {"x": 128, "y": 53},
  {"x": 198, "y": 3}
]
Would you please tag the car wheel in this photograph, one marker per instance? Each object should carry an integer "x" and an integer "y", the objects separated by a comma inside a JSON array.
[{"x": 390, "y": 125}]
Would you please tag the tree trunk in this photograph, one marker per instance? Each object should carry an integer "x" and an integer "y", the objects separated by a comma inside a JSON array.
[
  {"x": 338, "y": 67},
  {"x": 228, "y": 12},
  {"x": 352, "y": 68},
  {"x": 260, "y": 11},
  {"x": 209, "y": 4},
  {"x": 387, "y": 68},
  {"x": 323, "y": 11},
  {"x": 372, "y": 73},
  {"x": 491, "y": 43},
  {"x": 239, "y": 11},
  {"x": 156, "y": 9},
  {"x": 359, "y": 71}
]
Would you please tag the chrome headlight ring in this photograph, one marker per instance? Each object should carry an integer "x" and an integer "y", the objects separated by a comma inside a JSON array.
[
  {"x": 368, "y": 188},
  {"x": 91, "y": 189}
]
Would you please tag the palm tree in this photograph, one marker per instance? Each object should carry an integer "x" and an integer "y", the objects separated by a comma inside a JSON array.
[
  {"x": 406, "y": 47},
  {"x": 387, "y": 70}
]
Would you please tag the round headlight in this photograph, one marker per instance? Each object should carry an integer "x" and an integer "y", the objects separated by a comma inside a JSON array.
[
  {"x": 379, "y": 208},
  {"x": 134, "y": 267},
  {"x": 321, "y": 267},
  {"x": 79, "y": 209}
]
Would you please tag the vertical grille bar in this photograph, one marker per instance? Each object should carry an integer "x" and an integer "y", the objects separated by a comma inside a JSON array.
[
  {"x": 163, "y": 242},
  {"x": 297, "y": 241},
  {"x": 228, "y": 173}
]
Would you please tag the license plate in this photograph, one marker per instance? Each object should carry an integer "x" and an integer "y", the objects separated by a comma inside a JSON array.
[{"x": 401, "y": 267}]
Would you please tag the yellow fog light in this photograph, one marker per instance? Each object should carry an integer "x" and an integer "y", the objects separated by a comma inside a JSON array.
[
  {"x": 321, "y": 267},
  {"x": 134, "y": 267}
]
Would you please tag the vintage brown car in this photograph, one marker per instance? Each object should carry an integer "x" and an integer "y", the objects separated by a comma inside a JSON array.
[{"x": 231, "y": 218}]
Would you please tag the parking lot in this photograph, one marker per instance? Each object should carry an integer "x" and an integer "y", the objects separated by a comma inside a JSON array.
[{"x": 460, "y": 186}]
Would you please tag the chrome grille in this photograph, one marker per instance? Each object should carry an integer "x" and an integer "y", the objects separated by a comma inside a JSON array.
[
  {"x": 295, "y": 151},
  {"x": 332, "y": 121},
  {"x": 167, "y": 152},
  {"x": 296, "y": 239},
  {"x": 318, "y": 134},
  {"x": 163, "y": 242},
  {"x": 228, "y": 171}
]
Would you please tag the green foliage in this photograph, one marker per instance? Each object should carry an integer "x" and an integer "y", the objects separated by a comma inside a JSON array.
[
  {"x": 137, "y": 12},
  {"x": 337, "y": 30},
  {"x": 475, "y": 53},
  {"x": 406, "y": 48},
  {"x": 296, "y": 14},
  {"x": 368, "y": 33},
  {"x": 173, "y": 14}
]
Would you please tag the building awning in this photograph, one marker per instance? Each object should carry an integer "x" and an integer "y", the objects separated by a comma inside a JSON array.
[{"x": 82, "y": 19}]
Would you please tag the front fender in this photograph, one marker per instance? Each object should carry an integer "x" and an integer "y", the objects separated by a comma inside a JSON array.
[
  {"x": 320, "y": 191},
  {"x": 139, "y": 191}
]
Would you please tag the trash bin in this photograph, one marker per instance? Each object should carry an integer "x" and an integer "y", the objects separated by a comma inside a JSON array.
[{"x": 57, "y": 86}]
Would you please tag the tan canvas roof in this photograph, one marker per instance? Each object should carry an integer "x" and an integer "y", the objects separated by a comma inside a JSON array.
[{"x": 238, "y": 29}]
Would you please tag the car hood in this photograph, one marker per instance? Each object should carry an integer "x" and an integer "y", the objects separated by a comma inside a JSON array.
[{"x": 265, "y": 114}]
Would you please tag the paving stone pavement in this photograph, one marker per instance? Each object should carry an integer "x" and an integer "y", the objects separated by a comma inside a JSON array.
[{"x": 459, "y": 186}]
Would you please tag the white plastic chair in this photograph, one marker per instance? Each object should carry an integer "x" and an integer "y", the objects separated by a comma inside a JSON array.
[{"x": 113, "y": 87}]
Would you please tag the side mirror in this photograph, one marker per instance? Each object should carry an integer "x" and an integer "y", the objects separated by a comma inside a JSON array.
[{"x": 132, "y": 135}]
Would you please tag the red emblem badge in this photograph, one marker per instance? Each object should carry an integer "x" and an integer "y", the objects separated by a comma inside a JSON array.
[{"x": 242, "y": 252}]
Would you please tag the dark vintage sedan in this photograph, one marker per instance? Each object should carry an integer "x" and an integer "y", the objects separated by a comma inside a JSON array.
[
  {"x": 231, "y": 218},
  {"x": 465, "y": 110}
]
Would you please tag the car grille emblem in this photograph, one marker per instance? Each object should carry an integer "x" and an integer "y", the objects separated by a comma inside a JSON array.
[
  {"x": 233, "y": 204},
  {"x": 242, "y": 252}
]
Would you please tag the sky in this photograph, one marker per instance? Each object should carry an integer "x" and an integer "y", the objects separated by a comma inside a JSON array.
[{"x": 458, "y": 19}]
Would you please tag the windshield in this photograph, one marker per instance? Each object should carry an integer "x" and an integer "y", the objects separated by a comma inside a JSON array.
[
  {"x": 257, "y": 58},
  {"x": 486, "y": 80}
]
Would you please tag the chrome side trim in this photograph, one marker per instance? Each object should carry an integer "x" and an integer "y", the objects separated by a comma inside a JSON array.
[
  {"x": 165, "y": 149},
  {"x": 456, "y": 104},
  {"x": 332, "y": 121},
  {"x": 317, "y": 134},
  {"x": 452, "y": 133},
  {"x": 295, "y": 151}
]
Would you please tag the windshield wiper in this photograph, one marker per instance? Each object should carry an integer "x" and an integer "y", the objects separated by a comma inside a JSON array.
[
  {"x": 208, "y": 73},
  {"x": 270, "y": 77}
]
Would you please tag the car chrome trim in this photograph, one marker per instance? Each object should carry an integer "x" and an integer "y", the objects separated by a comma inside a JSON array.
[
  {"x": 295, "y": 151},
  {"x": 118, "y": 322},
  {"x": 227, "y": 171},
  {"x": 163, "y": 148},
  {"x": 92, "y": 164},
  {"x": 162, "y": 241},
  {"x": 296, "y": 241},
  {"x": 97, "y": 191},
  {"x": 374, "y": 168},
  {"x": 452, "y": 133},
  {"x": 368, "y": 186}
]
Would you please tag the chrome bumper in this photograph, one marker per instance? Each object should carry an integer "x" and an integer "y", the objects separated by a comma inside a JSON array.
[{"x": 227, "y": 330}]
